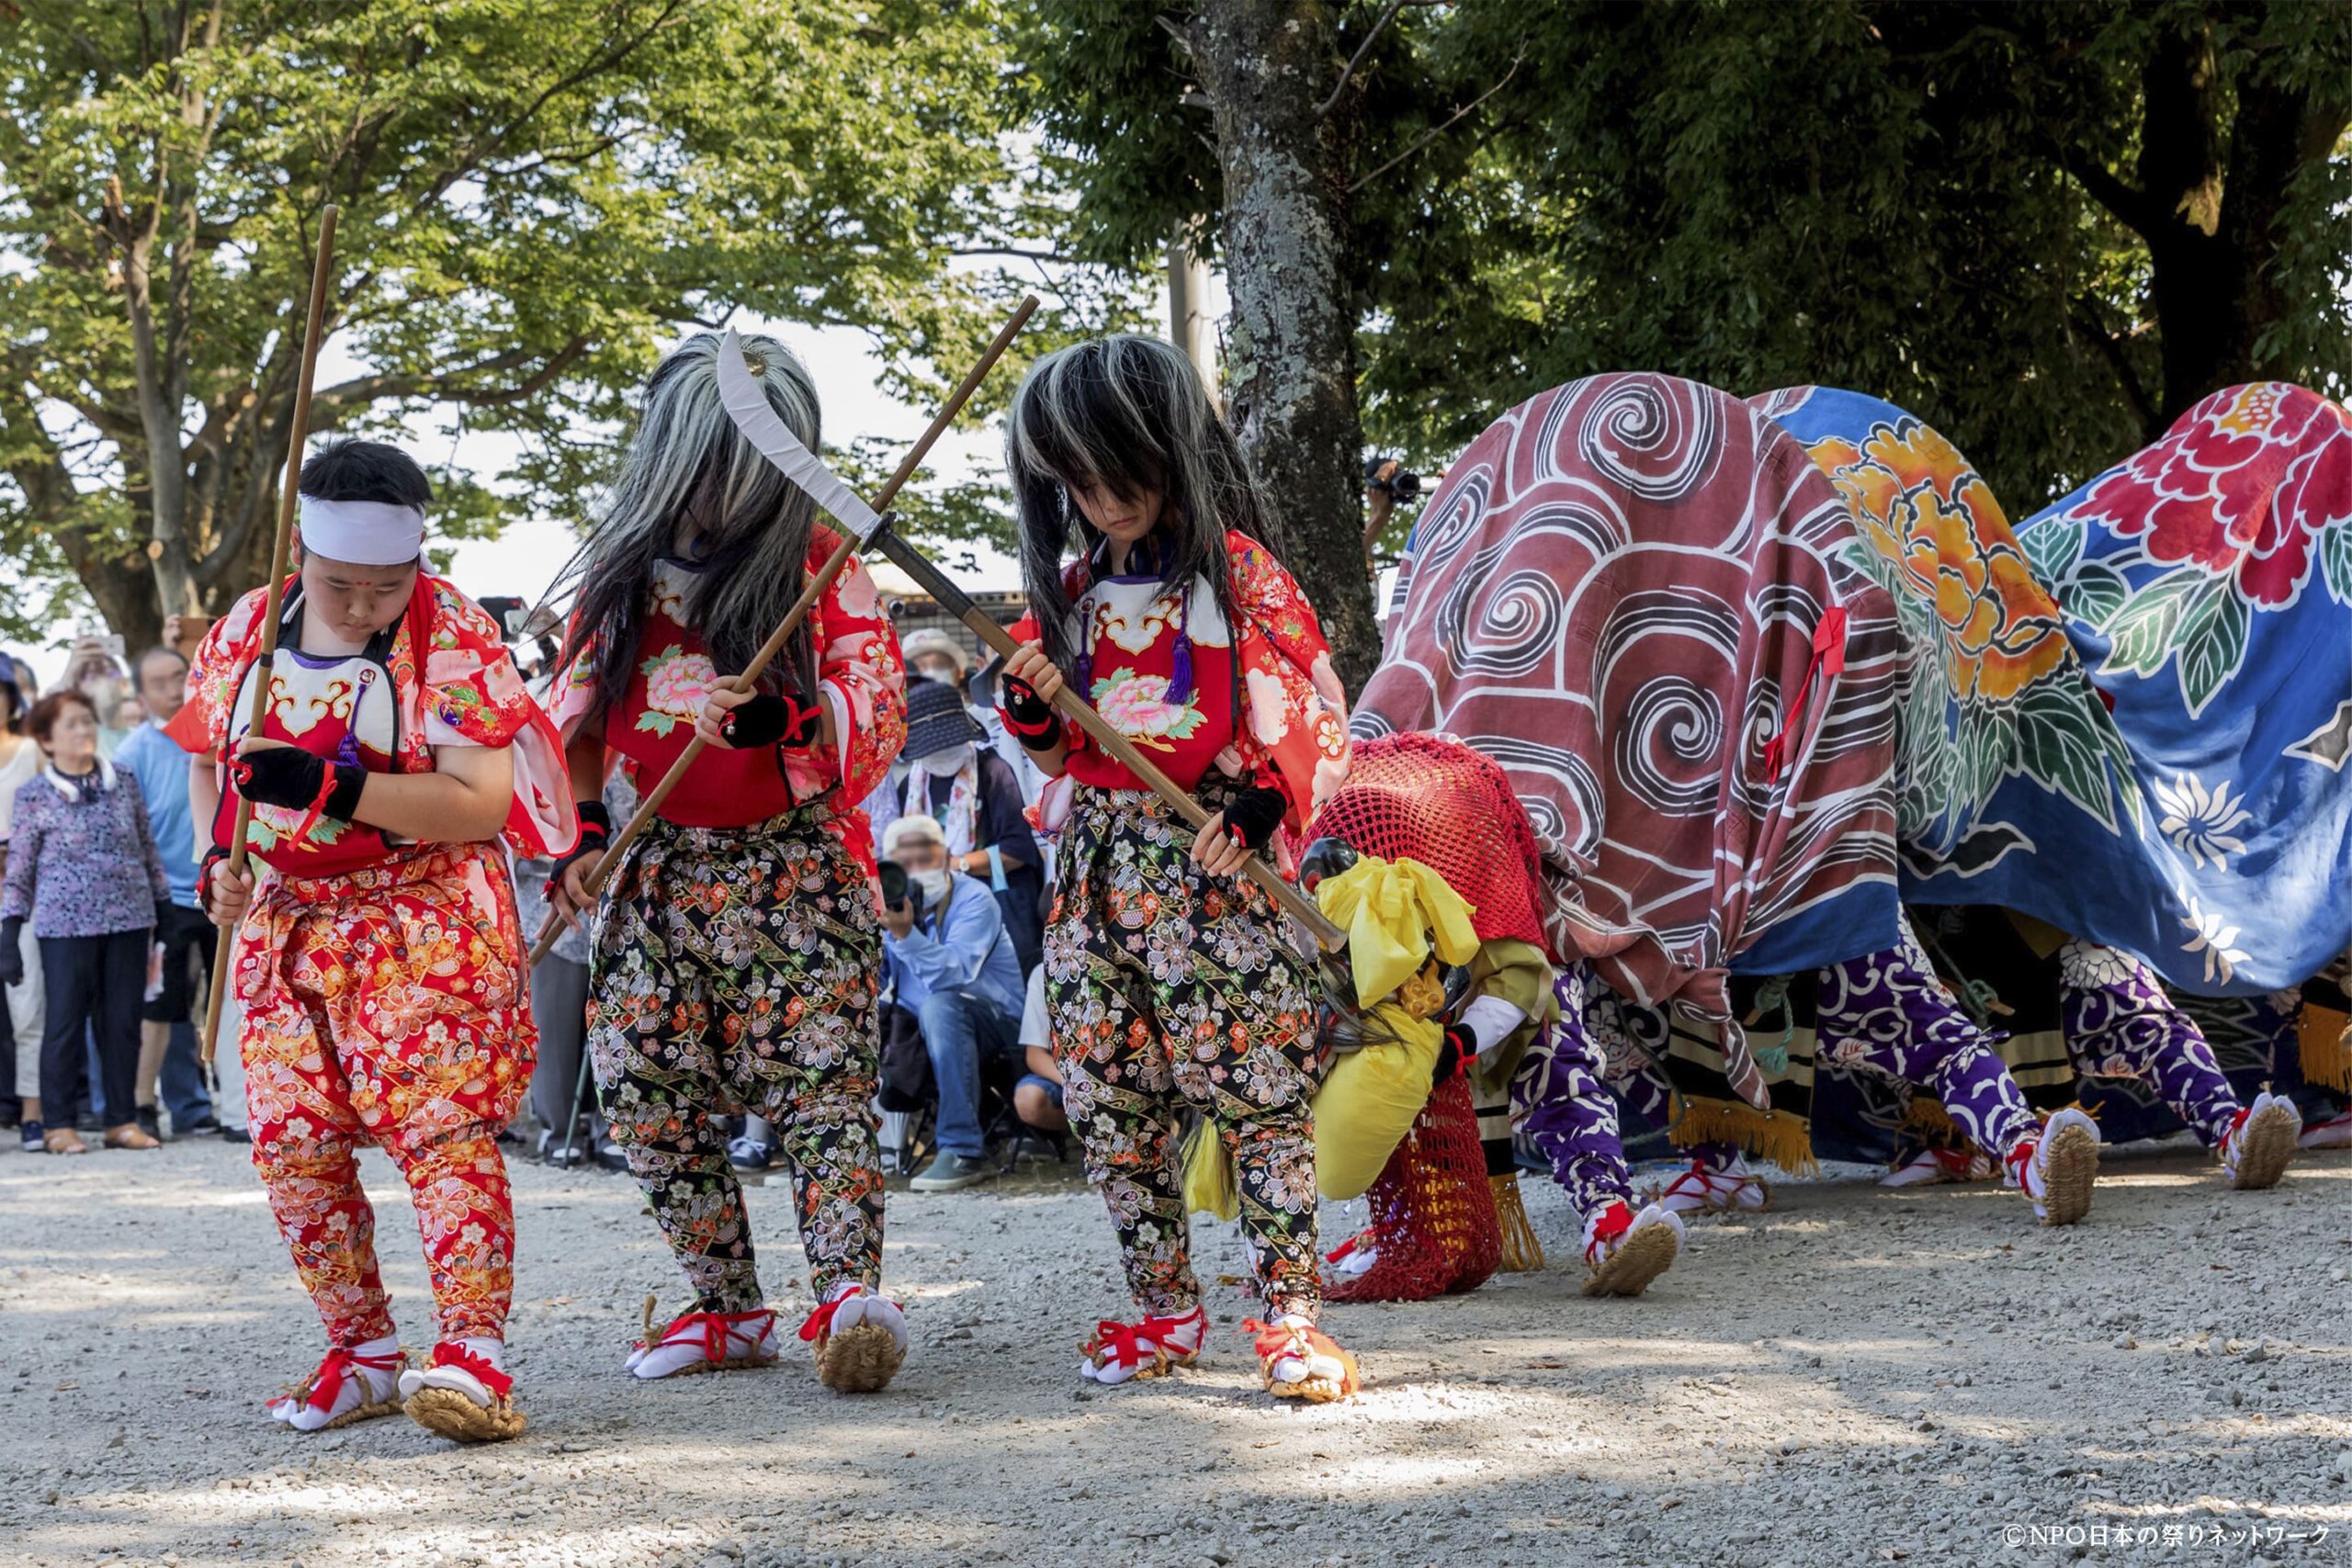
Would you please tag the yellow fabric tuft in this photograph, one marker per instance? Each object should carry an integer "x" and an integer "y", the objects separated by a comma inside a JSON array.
[
  {"x": 1394, "y": 913},
  {"x": 1369, "y": 1100},
  {"x": 1209, "y": 1185}
]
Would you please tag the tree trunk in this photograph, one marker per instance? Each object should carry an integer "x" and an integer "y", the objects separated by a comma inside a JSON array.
[
  {"x": 1289, "y": 345},
  {"x": 2213, "y": 242}
]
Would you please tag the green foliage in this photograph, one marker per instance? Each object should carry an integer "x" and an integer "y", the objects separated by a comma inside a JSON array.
[
  {"x": 538, "y": 196},
  {"x": 1954, "y": 205}
]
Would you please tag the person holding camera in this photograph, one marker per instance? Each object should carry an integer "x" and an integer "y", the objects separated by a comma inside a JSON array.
[{"x": 951, "y": 964}]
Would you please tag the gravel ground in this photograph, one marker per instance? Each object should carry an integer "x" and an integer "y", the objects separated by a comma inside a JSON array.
[{"x": 1854, "y": 1376}]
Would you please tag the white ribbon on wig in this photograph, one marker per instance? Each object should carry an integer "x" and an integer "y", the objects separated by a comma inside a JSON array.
[{"x": 363, "y": 533}]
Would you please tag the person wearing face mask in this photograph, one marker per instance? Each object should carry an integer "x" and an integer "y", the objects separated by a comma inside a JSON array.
[
  {"x": 976, "y": 800},
  {"x": 952, "y": 966},
  {"x": 934, "y": 655},
  {"x": 379, "y": 961},
  {"x": 96, "y": 674}
]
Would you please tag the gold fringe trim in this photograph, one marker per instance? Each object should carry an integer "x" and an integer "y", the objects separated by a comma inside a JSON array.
[
  {"x": 1770, "y": 1134},
  {"x": 1928, "y": 1118},
  {"x": 2325, "y": 1037},
  {"x": 1522, "y": 1253}
]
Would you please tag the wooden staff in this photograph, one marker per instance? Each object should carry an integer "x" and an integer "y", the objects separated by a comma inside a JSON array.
[
  {"x": 273, "y": 605},
  {"x": 1293, "y": 903},
  {"x": 592, "y": 880}
]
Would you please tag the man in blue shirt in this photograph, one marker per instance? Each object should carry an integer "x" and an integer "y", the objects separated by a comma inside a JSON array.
[
  {"x": 167, "y": 1037},
  {"x": 951, "y": 963}
]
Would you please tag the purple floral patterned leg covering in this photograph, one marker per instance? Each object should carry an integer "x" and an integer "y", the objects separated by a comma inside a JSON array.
[
  {"x": 2120, "y": 1024},
  {"x": 1889, "y": 1012},
  {"x": 1558, "y": 1096}
]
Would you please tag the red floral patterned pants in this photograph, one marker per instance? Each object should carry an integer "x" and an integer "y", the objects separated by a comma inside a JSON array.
[{"x": 386, "y": 1007}]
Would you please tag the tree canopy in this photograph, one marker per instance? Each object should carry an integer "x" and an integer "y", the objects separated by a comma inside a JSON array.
[
  {"x": 2049, "y": 228},
  {"x": 536, "y": 194}
]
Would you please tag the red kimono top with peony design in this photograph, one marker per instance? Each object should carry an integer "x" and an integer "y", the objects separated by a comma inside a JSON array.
[
  {"x": 1162, "y": 670},
  {"x": 439, "y": 676},
  {"x": 862, "y": 682}
]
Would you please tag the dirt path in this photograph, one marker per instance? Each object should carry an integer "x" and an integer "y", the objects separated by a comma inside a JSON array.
[{"x": 1855, "y": 1376}]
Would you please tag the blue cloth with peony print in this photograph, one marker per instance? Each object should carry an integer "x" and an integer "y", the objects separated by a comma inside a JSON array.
[{"x": 2172, "y": 777}]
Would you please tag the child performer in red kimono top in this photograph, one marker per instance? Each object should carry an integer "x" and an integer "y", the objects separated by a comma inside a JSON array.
[
  {"x": 738, "y": 944},
  {"x": 379, "y": 963},
  {"x": 1172, "y": 982}
]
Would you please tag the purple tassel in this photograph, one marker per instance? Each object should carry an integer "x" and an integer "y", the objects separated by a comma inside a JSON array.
[
  {"x": 1083, "y": 673},
  {"x": 1180, "y": 672}
]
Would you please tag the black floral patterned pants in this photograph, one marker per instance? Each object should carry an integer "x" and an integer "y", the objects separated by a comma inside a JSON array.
[
  {"x": 736, "y": 969},
  {"x": 1169, "y": 987}
]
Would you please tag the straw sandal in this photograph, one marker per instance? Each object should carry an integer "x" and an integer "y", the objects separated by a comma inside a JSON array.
[
  {"x": 2260, "y": 1142},
  {"x": 718, "y": 1334},
  {"x": 860, "y": 1341},
  {"x": 1330, "y": 1371},
  {"x": 320, "y": 1390},
  {"x": 2060, "y": 1170},
  {"x": 1625, "y": 1251},
  {"x": 1129, "y": 1352},
  {"x": 441, "y": 1397}
]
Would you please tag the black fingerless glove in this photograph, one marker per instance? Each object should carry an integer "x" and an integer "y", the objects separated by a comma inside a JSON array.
[
  {"x": 1457, "y": 1049},
  {"x": 213, "y": 857},
  {"x": 771, "y": 719},
  {"x": 1254, "y": 815},
  {"x": 1030, "y": 716},
  {"x": 12, "y": 956},
  {"x": 595, "y": 832},
  {"x": 296, "y": 780}
]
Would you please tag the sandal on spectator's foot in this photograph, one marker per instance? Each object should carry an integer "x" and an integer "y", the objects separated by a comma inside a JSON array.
[
  {"x": 128, "y": 1136},
  {"x": 463, "y": 1393},
  {"x": 1299, "y": 1360},
  {"x": 860, "y": 1339},
  {"x": 1625, "y": 1251},
  {"x": 703, "y": 1342},
  {"x": 64, "y": 1141},
  {"x": 356, "y": 1385},
  {"x": 1123, "y": 1352}
]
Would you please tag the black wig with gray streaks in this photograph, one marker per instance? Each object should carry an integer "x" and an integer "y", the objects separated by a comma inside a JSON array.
[
  {"x": 691, "y": 486},
  {"x": 1126, "y": 412}
]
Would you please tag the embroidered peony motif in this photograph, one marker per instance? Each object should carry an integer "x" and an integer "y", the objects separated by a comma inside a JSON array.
[
  {"x": 1136, "y": 706},
  {"x": 676, "y": 685}
]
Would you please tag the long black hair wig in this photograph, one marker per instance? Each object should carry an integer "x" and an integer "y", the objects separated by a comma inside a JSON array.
[
  {"x": 691, "y": 486},
  {"x": 1128, "y": 413}
]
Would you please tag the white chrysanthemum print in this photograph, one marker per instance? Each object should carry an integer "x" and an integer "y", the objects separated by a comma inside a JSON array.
[
  {"x": 2198, "y": 824},
  {"x": 2215, "y": 940}
]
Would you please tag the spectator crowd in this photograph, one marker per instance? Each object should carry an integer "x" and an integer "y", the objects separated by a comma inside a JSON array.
[{"x": 106, "y": 954}]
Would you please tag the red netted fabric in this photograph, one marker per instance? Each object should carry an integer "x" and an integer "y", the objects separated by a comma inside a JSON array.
[
  {"x": 1433, "y": 1224},
  {"x": 1434, "y": 799}
]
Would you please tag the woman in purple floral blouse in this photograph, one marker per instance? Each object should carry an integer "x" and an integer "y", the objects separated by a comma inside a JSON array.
[{"x": 82, "y": 867}]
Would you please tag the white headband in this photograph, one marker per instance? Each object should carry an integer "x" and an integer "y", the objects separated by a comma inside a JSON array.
[{"x": 364, "y": 533}]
